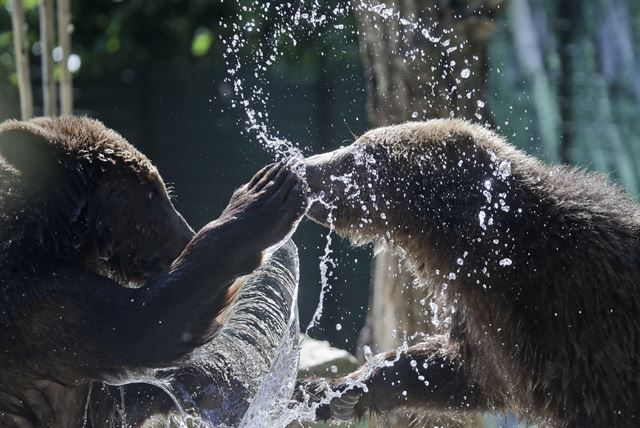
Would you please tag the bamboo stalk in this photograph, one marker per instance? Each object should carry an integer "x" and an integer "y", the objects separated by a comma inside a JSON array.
[
  {"x": 21, "y": 47},
  {"x": 49, "y": 96},
  {"x": 64, "y": 39}
]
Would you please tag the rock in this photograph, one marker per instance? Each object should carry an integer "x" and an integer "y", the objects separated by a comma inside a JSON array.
[{"x": 318, "y": 358}]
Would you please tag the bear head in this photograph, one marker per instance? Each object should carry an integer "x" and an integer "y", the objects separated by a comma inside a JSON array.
[{"x": 77, "y": 191}]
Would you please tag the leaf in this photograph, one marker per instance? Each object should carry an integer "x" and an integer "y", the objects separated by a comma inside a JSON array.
[
  {"x": 30, "y": 4},
  {"x": 201, "y": 42},
  {"x": 6, "y": 39},
  {"x": 113, "y": 44}
]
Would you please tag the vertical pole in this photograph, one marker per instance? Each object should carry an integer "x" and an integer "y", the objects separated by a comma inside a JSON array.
[
  {"x": 49, "y": 97},
  {"x": 64, "y": 39},
  {"x": 21, "y": 47}
]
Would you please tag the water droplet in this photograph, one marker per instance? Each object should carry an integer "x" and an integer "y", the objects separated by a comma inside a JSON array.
[
  {"x": 368, "y": 355},
  {"x": 338, "y": 326},
  {"x": 73, "y": 63},
  {"x": 481, "y": 216},
  {"x": 504, "y": 169},
  {"x": 465, "y": 73},
  {"x": 505, "y": 262}
]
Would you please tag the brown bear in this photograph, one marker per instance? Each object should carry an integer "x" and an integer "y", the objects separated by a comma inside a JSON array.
[
  {"x": 99, "y": 275},
  {"x": 534, "y": 271}
]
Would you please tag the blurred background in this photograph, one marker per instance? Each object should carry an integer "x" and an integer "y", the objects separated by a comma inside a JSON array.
[{"x": 559, "y": 78}]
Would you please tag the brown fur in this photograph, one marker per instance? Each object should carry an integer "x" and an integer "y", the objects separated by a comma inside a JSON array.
[
  {"x": 100, "y": 277},
  {"x": 555, "y": 334}
]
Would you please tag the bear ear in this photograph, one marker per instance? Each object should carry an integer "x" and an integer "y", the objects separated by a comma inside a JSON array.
[{"x": 28, "y": 152}]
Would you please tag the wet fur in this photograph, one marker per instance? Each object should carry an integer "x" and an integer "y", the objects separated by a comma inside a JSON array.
[
  {"x": 554, "y": 336},
  {"x": 101, "y": 278}
]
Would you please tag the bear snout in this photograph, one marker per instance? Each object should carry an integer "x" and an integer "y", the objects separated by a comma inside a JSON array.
[{"x": 318, "y": 172}]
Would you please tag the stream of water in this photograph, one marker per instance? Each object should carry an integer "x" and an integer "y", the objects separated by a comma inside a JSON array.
[{"x": 248, "y": 71}]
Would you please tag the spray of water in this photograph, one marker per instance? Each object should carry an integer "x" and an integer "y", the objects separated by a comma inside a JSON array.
[
  {"x": 248, "y": 71},
  {"x": 290, "y": 23},
  {"x": 270, "y": 405},
  {"x": 325, "y": 261}
]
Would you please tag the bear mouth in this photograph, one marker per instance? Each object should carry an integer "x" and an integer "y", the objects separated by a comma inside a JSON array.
[{"x": 118, "y": 276}]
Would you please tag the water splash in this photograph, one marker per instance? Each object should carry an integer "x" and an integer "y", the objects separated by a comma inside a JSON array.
[
  {"x": 289, "y": 23},
  {"x": 325, "y": 261},
  {"x": 270, "y": 406},
  {"x": 248, "y": 73}
]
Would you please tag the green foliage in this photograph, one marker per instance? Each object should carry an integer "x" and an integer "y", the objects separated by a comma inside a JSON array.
[
  {"x": 7, "y": 56},
  {"x": 202, "y": 41},
  {"x": 30, "y": 4},
  {"x": 112, "y": 37},
  {"x": 7, "y": 59},
  {"x": 6, "y": 39}
]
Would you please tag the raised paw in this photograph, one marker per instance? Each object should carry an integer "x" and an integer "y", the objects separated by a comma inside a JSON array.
[
  {"x": 273, "y": 201},
  {"x": 339, "y": 401}
]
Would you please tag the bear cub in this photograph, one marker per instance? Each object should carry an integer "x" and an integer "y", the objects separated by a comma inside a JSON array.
[
  {"x": 100, "y": 276},
  {"x": 535, "y": 270}
]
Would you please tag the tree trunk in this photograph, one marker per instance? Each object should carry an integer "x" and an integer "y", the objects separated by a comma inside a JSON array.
[
  {"x": 49, "y": 99},
  {"x": 64, "y": 39},
  {"x": 422, "y": 59},
  {"x": 21, "y": 47}
]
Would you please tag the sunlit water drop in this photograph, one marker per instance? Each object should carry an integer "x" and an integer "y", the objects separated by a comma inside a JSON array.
[{"x": 505, "y": 262}]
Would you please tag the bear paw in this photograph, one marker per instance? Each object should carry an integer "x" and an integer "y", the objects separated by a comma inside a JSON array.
[
  {"x": 272, "y": 203},
  {"x": 346, "y": 402}
]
